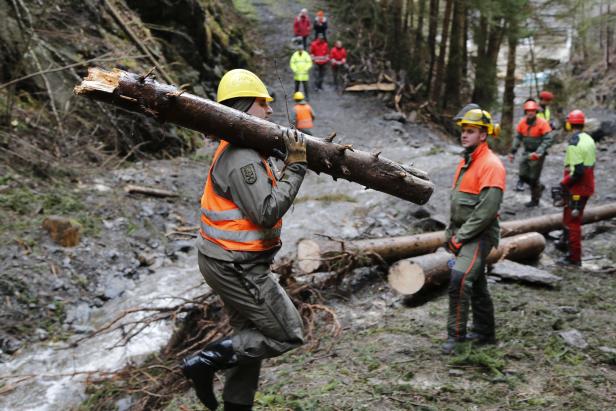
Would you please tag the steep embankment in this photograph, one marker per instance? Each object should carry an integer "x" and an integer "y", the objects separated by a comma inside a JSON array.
[{"x": 60, "y": 154}]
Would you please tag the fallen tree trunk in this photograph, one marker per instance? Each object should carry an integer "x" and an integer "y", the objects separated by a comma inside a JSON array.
[
  {"x": 167, "y": 103},
  {"x": 331, "y": 255},
  {"x": 414, "y": 274}
]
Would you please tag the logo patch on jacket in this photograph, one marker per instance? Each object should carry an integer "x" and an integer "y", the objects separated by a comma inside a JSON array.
[{"x": 249, "y": 173}]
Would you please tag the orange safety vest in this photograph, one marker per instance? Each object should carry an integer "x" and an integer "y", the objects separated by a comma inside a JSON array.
[
  {"x": 303, "y": 116},
  {"x": 224, "y": 224},
  {"x": 485, "y": 170}
]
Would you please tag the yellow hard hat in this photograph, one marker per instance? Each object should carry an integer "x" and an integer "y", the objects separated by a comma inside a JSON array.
[
  {"x": 298, "y": 96},
  {"x": 479, "y": 118},
  {"x": 241, "y": 83}
]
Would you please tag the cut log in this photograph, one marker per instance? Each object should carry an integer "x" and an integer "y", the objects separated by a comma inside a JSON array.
[
  {"x": 414, "y": 274},
  {"x": 510, "y": 270},
  {"x": 167, "y": 103},
  {"x": 150, "y": 191},
  {"x": 372, "y": 87},
  {"x": 320, "y": 255}
]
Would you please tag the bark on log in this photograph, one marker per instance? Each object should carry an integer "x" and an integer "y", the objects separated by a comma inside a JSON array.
[
  {"x": 414, "y": 274},
  {"x": 167, "y": 103},
  {"x": 330, "y": 255}
]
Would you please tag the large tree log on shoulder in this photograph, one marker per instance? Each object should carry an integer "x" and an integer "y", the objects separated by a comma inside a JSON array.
[
  {"x": 330, "y": 255},
  {"x": 414, "y": 274},
  {"x": 167, "y": 103}
]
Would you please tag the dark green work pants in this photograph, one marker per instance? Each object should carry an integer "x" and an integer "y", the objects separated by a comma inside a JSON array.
[
  {"x": 265, "y": 322},
  {"x": 468, "y": 287}
]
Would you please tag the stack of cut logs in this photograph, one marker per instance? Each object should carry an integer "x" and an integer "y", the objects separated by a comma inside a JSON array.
[{"x": 416, "y": 263}]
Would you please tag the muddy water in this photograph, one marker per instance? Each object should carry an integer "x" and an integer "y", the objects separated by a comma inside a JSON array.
[{"x": 55, "y": 387}]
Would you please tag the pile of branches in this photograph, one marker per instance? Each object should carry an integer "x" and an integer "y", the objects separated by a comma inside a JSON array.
[{"x": 202, "y": 320}]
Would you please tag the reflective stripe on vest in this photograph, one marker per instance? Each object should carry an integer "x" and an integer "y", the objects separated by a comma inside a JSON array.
[
  {"x": 303, "y": 116},
  {"x": 224, "y": 224}
]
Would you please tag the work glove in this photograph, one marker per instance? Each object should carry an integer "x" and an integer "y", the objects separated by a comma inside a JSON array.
[
  {"x": 295, "y": 144},
  {"x": 534, "y": 156},
  {"x": 453, "y": 245}
]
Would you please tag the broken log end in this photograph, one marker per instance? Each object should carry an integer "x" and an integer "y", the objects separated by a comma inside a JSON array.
[{"x": 99, "y": 80}]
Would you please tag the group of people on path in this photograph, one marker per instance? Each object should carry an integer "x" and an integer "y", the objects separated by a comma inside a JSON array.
[{"x": 320, "y": 56}]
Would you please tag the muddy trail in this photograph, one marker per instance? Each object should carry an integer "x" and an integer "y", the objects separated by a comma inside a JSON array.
[{"x": 387, "y": 357}]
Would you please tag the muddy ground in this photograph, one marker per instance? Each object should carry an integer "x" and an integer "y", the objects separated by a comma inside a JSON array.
[{"x": 387, "y": 357}]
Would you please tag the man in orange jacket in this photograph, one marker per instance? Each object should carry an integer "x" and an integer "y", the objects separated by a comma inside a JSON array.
[
  {"x": 536, "y": 135},
  {"x": 473, "y": 230},
  {"x": 241, "y": 218},
  {"x": 303, "y": 115}
]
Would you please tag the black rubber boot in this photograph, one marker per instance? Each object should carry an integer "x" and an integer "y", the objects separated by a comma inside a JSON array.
[
  {"x": 562, "y": 243},
  {"x": 229, "y": 406},
  {"x": 200, "y": 369},
  {"x": 519, "y": 186},
  {"x": 449, "y": 348},
  {"x": 481, "y": 339},
  {"x": 566, "y": 261},
  {"x": 531, "y": 203}
]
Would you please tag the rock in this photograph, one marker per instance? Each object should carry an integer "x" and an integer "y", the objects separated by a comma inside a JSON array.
[
  {"x": 454, "y": 372},
  {"x": 78, "y": 314},
  {"x": 398, "y": 128},
  {"x": 64, "y": 231},
  {"x": 412, "y": 116},
  {"x": 510, "y": 270},
  {"x": 114, "y": 288},
  {"x": 421, "y": 213},
  {"x": 607, "y": 350},
  {"x": 395, "y": 116},
  {"x": 124, "y": 404},
  {"x": 146, "y": 260},
  {"x": 41, "y": 334},
  {"x": 574, "y": 338},
  {"x": 434, "y": 223},
  {"x": 183, "y": 246},
  {"x": 10, "y": 345},
  {"x": 82, "y": 329},
  {"x": 569, "y": 310}
]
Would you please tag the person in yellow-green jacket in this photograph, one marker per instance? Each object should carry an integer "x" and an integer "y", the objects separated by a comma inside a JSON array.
[
  {"x": 300, "y": 64},
  {"x": 577, "y": 185},
  {"x": 473, "y": 230}
]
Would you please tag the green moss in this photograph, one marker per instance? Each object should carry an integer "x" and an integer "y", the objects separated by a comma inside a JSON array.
[{"x": 489, "y": 358}]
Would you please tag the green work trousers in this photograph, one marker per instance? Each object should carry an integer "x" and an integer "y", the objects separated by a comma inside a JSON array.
[
  {"x": 530, "y": 173},
  {"x": 468, "y": 287},
  {"x": 265, "y": 322}
]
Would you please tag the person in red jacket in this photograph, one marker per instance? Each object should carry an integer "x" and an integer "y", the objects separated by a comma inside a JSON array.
[
  {"x": 338, "y": 56},
  {"x": 302, "y": 27},
  {"x": 319, "y": 50}
]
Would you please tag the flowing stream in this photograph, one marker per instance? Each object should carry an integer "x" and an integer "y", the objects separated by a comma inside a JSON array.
[{"x": 58, "y": 384}]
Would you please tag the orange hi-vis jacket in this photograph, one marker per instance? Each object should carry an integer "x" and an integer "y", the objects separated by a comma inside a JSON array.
[
  {"x": 224, "y": 224},
  {"x": 486, "y": 170},
  {"x": 303, "y": 116}
]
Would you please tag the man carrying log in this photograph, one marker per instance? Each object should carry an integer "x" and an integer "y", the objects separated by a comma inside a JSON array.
[
  {"x": 577, "y": 185},
  {"x": 241, "y": 217},
  {"x": 476, "y": 196}
]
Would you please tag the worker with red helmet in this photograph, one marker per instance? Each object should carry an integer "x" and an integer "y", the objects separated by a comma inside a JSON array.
[
  {"x": 536, "y": 135},
  {"x": 577, "y": 185},
  {"x": 545, "y": 99}
]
